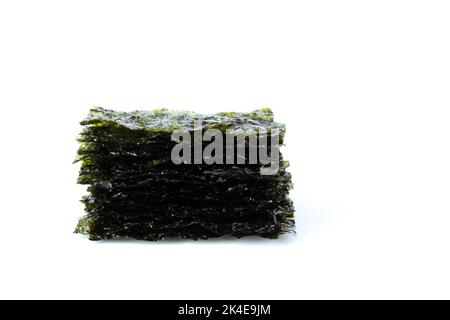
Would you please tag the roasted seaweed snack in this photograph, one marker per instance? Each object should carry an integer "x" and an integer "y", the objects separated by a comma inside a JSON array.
[{"x": 161, "y": 174}]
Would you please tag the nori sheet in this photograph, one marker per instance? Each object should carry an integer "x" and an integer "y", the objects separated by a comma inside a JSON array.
[{"x": 135, "y": 191}]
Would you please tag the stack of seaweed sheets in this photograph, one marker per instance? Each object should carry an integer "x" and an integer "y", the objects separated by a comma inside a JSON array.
[{"x": 135, "y": 190}]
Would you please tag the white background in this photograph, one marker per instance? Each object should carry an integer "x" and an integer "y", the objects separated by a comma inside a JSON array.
[{"x": 362, "y": 85}]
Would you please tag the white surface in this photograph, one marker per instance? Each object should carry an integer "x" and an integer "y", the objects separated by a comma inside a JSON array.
[{"x": 362, "y": 85}]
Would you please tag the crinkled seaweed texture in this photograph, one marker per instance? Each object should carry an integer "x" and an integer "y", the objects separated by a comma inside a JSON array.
[{"x": 135, "y": 191}]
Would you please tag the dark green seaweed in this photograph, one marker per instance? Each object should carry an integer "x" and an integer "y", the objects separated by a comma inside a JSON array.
[{"x": 135, "y": 191}]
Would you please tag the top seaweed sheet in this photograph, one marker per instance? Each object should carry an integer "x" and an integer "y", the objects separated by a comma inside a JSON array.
[
  {"x": 136, "y": 191},
  {"x": 164, "y": 120}
]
